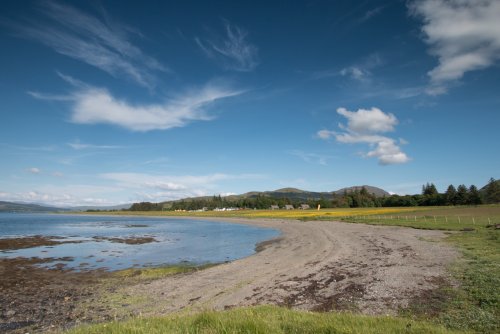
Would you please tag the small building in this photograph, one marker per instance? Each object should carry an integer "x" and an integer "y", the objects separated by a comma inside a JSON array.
[
  {"x": 275, "y": 207},
  {"x": 304, "y": 207},
  {"x": 289, "y": 207}
]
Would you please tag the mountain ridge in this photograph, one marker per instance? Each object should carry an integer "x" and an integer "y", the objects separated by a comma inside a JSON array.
[
  {"x": 27, "y": 207},
  {"x": 294, "y": 194}
]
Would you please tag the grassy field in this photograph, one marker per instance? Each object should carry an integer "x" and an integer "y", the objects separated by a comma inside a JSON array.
[
  {"x": 423, "y": 216},
  {"x": 473, "y": 306},
  {"x": 265, "y": 320}
]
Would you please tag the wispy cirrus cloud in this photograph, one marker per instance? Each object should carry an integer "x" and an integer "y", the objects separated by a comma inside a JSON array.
[
  {"x": 367, "y": 126},
  {"x": 92, "y": 105},
  {"x": 355, "y": 72},
  {"x": 232, "y": 51},
  {"x": 370, "y": 14},
  {"x": 78, "y": 145},
  {"x": 310, "y": 157},
  {"x": 360, "y": 71},
  {"x": 463, "y": 34},
  {"x": 99, "y": 42}
]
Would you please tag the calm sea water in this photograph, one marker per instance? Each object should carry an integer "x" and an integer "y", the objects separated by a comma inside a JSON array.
[{"x": 179, "y": 240}]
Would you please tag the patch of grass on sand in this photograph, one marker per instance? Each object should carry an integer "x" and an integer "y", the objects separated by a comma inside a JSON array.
[
  {"x": 158, "y": 272},
  {"x": 266, "y": 320},
  {"x": 113, "y": 296}
]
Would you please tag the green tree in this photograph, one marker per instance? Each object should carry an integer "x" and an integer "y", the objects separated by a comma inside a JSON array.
[
  {"x": 492, "y": 193},
  {"x": 451, "y": 195},
  {"x": 429, "y": 189},
  {"x": 462, "y": 195},
  {"x": 474, "y": 196}
]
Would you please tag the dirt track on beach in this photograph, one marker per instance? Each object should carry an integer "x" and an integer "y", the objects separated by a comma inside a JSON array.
[{"x": 317, "y": 266}]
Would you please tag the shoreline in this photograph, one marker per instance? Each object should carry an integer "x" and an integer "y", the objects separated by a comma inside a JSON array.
[{"x": 314, "y": 265}]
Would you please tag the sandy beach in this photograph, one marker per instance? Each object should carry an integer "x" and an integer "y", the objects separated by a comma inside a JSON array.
[{"x": 319, "y": 266}]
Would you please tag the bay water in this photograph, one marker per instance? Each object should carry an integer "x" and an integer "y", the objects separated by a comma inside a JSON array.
[{"x": 93, "y": 240}]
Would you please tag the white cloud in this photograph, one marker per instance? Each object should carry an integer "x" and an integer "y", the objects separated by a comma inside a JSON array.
[
  {"x": 33, "y": 170},
  {"x": 101, "y": 43},
  {"x": 463, "y": 34},
  {"x": 388, "y": 153},
  {"x": 93, "y": 105},
  {"x": 232, "y": 50},
  {"x": 369, "y": 120},
  {"x": 366, "y": 126}
]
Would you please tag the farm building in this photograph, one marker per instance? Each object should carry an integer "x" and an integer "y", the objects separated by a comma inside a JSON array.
[
  {"x": 304, "y": 207},
  {"x": 289, "y": 207}
]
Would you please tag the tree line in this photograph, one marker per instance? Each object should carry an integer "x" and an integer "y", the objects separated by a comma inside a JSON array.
[{"x": 460, "y": 195}]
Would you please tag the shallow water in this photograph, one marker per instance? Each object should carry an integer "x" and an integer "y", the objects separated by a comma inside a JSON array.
[{"x": 178, "y": 241}]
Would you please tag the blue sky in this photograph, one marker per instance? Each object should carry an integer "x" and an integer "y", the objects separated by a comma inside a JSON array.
[{"x": 107, "y": 102}]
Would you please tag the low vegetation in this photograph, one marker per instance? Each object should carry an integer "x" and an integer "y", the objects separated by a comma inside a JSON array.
[
  {"x": 265, "y": 320},
  {"x": 133, "y": 274}
]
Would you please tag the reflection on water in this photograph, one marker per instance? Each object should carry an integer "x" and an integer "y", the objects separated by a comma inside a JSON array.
[{"x": 92, "y": 242}]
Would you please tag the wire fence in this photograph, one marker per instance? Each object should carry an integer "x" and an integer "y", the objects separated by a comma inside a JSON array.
[{"x": 451, "y": 219}]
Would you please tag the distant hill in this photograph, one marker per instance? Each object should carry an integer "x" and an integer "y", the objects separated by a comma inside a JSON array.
[
  {"x": 294, "y": 194},
  {"x": 371, "y": 190},
  {"x": 25, "y": 207}
]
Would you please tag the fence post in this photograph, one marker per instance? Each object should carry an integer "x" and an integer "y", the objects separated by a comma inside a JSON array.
[
  {"x": 458, "y": 219},
  {"x": 434, "y": 218},
  {"x": 446, "y": 217},
  {"x": 473, "y": 221}
]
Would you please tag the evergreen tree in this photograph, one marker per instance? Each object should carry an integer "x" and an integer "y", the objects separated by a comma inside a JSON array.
[
  {"x": 451, "y": 195},
  {"x": 462, "y": 195},
  {"x": 492, "y": 191},
  {"x": 429, "y": 189},
  {"x": 430, "y": 195},
  {"x": 474, "y": 196}
]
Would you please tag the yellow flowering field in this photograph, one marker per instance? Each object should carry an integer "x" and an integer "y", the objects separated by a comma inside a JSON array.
[{"x": 280, "y": 214}]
